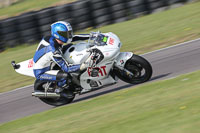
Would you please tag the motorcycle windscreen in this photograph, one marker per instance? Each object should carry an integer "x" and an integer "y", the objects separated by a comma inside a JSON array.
[{"x": 26, "y": 68}]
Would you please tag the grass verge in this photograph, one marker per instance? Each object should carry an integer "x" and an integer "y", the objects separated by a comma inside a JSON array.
[
  {"x": 29, "y": 5},
  {"x": 140, "y": 35},
  {"x": 170, "y": 106}
]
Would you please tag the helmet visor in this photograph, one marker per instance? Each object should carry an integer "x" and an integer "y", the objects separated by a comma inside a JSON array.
[{"x": 66, "y": 34}]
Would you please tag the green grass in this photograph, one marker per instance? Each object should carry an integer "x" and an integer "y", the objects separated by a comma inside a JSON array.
[
  {"x": 140, "y": 35},
  {"x": 9, "y": 79},
  {"x": 29, "y": 5},
  {"x": 170, "y": 106},
  {"x": 160, "y": 29}
]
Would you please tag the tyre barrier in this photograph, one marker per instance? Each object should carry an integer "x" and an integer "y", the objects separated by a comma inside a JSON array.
[
  {"x": 81, "y": 15},
  {"x": 156, "y": 4},
  {"x": 32, "y": 26},
  {"x": 98, "y": 5},
  {"x": 136, "y": 8},
  {"x": 28, "y": 27},
  {"x": 62, "y": 13},
  {"x": 171, "y": 2},
  {"x": 9, "y": 32}
]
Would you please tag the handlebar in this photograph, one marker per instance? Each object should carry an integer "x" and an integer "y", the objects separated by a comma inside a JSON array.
[{"x": 96, "y": 38}]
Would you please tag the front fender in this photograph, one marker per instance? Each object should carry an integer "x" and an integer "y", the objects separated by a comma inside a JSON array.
[{"x": 122, "y": 58}]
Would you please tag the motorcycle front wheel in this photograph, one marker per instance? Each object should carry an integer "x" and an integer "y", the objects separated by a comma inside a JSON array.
[
  {"x": 62, "y": 100},
  {"x": 140, "y": 68}
]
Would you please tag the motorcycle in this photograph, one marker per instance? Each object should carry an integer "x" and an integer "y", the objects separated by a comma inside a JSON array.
[{"x": 105, "y": 66}]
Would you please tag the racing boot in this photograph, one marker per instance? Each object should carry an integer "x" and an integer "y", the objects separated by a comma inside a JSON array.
[
  {"x": 64, "y": 89},
  {"x": 64, "y": 81}
]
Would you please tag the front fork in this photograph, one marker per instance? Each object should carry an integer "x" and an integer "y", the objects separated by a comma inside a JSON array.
[
  {"x": 125, "y": 71},
  {"x": 120, "y": 62}
]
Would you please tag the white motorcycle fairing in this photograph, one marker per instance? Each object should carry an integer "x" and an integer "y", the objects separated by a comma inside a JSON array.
[
  {"x": 104, "y": 68},
  {"x": 122, "y": 58},
  {"x": 80, "y": 52},
  {"x": 24, "y": 67}
]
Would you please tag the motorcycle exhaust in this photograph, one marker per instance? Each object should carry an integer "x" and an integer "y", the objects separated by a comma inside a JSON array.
[{"x": 45, "y": 95}]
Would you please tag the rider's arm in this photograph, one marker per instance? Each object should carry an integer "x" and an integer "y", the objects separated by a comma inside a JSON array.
[
  {"x": 58, "y": 59},
  {"x": 80, "y": 37}
]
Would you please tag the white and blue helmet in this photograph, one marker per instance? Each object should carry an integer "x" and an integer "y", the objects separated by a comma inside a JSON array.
[{"x": 62, "y": 31}]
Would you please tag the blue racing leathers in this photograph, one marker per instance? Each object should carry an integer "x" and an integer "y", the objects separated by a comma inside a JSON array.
[{"x": 48, "y": 52}]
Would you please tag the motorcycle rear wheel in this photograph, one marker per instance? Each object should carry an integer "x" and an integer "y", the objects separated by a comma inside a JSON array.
[
  {"x": 62, "y": 100},
  {"x": 139, "y": 66}
]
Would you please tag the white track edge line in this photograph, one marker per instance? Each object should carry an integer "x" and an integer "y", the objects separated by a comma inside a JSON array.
[
  {"x": 142, "y": 54},
  {"x": 179, "y": 44},
  {"x": 16, "y": 89}
]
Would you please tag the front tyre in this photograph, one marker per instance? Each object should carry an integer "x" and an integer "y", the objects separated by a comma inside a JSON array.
[{"x": 140, "y": 67}]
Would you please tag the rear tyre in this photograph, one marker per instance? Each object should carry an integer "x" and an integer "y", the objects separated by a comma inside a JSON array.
[
  {"x": 140, "y": 67},
  {"x": 62, "y": 100}
]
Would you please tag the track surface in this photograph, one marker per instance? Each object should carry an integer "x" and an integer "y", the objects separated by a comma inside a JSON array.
[{"x": 166, "y": 63}]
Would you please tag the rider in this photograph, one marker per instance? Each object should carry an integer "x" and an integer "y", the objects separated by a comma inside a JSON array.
[{"x": 50, "y": 49}]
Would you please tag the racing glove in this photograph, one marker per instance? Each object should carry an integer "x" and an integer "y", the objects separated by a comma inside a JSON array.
[
  {"x": 58, "y": 59},
  {"x": 86, "y": 64}
]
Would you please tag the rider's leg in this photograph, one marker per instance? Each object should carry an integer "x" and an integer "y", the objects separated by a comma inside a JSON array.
[
  {"x": 48, "y": 75},
  {"x": 63, "y": 78},
  {"x": 60, "y": 77},
  {"x": 54, "y": 75}
]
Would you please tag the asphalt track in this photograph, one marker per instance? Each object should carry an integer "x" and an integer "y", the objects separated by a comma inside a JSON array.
[{"x": 166, "y": 63}]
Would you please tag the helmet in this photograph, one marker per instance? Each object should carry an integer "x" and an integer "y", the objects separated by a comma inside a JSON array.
[{"x": 62, "y": 31}]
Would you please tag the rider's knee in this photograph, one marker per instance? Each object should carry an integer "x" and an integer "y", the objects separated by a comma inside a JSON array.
[{"x": 62, "y": 75}]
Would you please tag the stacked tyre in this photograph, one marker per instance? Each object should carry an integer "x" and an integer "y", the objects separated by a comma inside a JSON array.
[
  {"x": 9, "y": 33},
  {"x": 28, "y": 27},
  {"x": 1, "y": 39},
  {"x": 62, "y": 13},
  {"x": 101, "y": 12},
  {"x": 137, "y": 8},
  {"x": 171, "y": 2},
  {"x": 45, "y": 18},
  {"x": 157, "y": 4},
  {"x": 118, "y": 10},
  {"x": 81, "y": 15}
]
